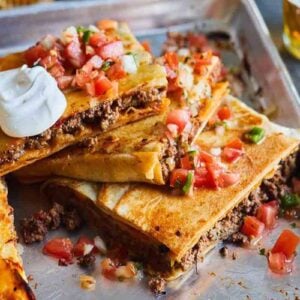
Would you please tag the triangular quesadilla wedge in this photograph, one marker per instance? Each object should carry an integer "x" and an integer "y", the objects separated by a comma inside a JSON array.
[
  {"x": 108, "y": 80},
  {"x": 169, "y": 232},
  {"x": 144, "y": 151},
  {"x": 13, "y": 281}
]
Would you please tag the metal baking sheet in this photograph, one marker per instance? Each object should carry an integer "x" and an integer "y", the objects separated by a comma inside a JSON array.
[{"x": 267, "y": 85}]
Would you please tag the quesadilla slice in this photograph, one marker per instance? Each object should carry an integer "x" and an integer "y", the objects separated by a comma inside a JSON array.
[
  {"x": 147, "y": 150},
  {"x": 13, "y": 281},
  {"x": 105, "y": 76},
  {"x": 170, "y": 232}
]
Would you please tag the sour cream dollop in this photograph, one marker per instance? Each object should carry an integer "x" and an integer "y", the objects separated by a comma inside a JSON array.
[{"x": 30, "y": 101}]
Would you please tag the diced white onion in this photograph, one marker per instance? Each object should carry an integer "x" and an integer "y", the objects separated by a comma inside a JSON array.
[
  {"x": 185, "y": 76},
  {"x": 48, "y": 42},
  {"x": 220, "y": 130},
  {"x": 183, "y": 52},
  {"x": 215, "y": 151},
  {"x": 68, "y": 35},
  {"x": 87, "y": 249},
  {"x": 100, "y": 245},
  {"x": 129, "y": 64},
  {"x": 93, "y": 28}
]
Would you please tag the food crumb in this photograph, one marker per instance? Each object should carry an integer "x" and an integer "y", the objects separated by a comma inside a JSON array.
[
  {"x": 86, "y": 261},
  {"x": 157, "y": 285},
  {"x": 87, "y": 282},
  {"x": 224, "y": 251},
  {"x": 234, "y": 255}
]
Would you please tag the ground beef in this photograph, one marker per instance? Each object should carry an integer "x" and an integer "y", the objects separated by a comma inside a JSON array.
[
  {"x": 87, "y": 261},
  {"x": 71, "y": 219},
  {"x": 100, "y": 116},
  {"x": 35, "y": 228},
  {"x": 157, "y": 285},
  {"x": 239, "y": 238}
]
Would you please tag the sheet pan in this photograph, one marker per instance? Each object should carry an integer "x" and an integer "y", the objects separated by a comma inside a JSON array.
[{"x": 267, "y": 85}]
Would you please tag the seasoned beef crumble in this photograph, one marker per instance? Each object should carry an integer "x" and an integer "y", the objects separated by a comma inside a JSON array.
[
  {"x": 86, "y": 261},
  {"x": 35, "y": 228},
  {"x": 102, "y": 115}
]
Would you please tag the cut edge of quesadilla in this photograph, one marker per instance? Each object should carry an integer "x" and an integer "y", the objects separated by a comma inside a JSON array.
[
  {"x": 13, "y": 281},
  {"x": 169, "y": 233},
  {"x": 140, "y": 151},
  {"x": 139, "y": 95}
]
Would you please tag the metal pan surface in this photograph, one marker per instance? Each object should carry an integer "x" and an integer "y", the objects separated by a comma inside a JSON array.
[{"x": 267, "y": 87}]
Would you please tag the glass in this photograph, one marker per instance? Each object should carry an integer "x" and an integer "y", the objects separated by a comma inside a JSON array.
[{"x": 291, "y": 26}]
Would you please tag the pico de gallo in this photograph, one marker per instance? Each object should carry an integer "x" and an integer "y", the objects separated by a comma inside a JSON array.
[
  {"x": 200, "y": 168},
  {"x": 87, "y": 58}
]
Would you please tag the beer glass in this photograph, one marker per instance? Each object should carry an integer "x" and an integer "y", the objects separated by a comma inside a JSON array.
[{"x": 291, "y": 26}]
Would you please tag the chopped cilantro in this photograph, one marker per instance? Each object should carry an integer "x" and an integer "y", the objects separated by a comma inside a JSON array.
[
  {"x": 293, "y": 225},
  {"x": 86, "y": 36},
  {"x": 262, "y": 251},
  {"x": 289, "y": 200}
]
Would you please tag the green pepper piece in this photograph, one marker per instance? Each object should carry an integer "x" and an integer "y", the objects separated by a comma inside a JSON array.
[
  {"x": 86, "y": 36},
  {"x": 290, "y": 200},
  {"x": 189, "y": 183},
  {"x": 255, "y": 135}
]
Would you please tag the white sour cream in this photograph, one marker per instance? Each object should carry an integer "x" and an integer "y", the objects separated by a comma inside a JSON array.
[{"x": 30, "y": 101}]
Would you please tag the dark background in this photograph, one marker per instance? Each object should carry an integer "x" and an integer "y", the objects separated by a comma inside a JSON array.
[{"x": 272, "y": 13}]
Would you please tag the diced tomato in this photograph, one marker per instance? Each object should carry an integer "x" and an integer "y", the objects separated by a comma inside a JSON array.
[
  {"x": 90, "y": 88},
  {"x": 179, "y": 117},
  {"x": 172, "y": 60},
  {"x": 102, "y": 85},
  {"x": 236, "y": 144},
  {"x": 147, "y": 46},
  {"x": 278, "y": 263},
  {"x": 200, "y": 60},
  {"x": 107, "y": 24},
  {"x": 274, "y": 204},
  {"x": 60, "y": 248},
  {"x": 231, "y": 155},
  {"x": 286, "y": 243},
  {"x": 97, "y": 40},
  {"x": 75, "y": 54},
  {"x": 213, "y": 174},
  {"x": 224, "y": 113},
  {"x": 57, "y": 70},
  {"x": 78, "y": 249},
  {"x": 267, "y": 214},
  {"x": 95, "y": 62},
  {"x": 201, "y": 178},
  {"x": 82, "y": 78},
  {"x": 197, "y": 40},
  {"x": 206, "y": 157},
  {"x": 227, "y": 179},
  {"x": 111, "y": 50},
  {"x": 64, "y": 81},
  {"x": 178, "y": 177},
  {"x": 34, "y": 53},
  {"x": 252, "y": 226},
  {"x": 48, "y": 61},
  {"x": 116, "y": 71},
  {"x": 108, "y": 268}
]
